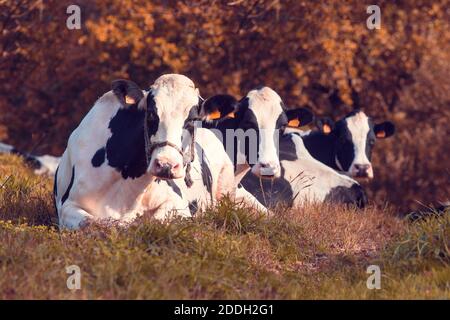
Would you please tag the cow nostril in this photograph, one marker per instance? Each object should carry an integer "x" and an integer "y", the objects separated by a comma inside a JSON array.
[
  {"x": 264, "y": 165},
  {"x": 158, "y": 164},
  {"x": 362, "y": 167}
]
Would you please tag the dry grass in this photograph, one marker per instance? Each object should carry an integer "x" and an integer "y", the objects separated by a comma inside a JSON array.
[{"x": 229, "y": 252}]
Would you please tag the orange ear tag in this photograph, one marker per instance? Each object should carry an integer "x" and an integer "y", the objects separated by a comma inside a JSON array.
[
  {"x": 214, "y": 115},
  {"x": 381, "y": 134},
  {"x": 326, "y": 129},
  {"x": 295, "y": 123},
  {"x": 129, "y": 100}
]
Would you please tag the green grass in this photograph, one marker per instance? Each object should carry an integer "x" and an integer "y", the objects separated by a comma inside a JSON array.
[{"x": 229, "y": 252}]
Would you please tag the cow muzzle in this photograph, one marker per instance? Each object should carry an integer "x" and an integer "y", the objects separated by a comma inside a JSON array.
[
  {"x": 167, "y": 162},
  {"x": 164, "y": 169},
  {"x": 362, "y": 171},
  {"x": 267, "y": 170}
]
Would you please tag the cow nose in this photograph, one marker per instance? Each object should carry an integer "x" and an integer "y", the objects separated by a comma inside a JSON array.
[
  {"x": 362, "y": 170},
  {"x": 268, "y": 169},
  {"x": 165, "y": 169}
]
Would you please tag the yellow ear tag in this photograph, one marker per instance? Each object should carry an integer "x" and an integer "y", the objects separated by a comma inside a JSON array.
[
  {"x": 231, "y": 115},
  {"x": 214, "y": 115},
  {"x": 326, "y": 129},
  {"x": 295, "y": 123},
  {"x": 381, "y": 134},
  {"x": 129, "y": 100}
]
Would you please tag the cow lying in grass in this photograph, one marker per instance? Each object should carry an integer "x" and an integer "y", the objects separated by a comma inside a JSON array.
[
  {"x": 42, "y": 165},
  {"x": 345, "y": 147},
  {"x": 130, "y": 153},
  {"x": 303, "y": 179},
  {"x": 250, "y": 130}
]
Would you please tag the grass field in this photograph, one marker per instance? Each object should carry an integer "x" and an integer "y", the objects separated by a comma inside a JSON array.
[{"x": 229, "y": 252}]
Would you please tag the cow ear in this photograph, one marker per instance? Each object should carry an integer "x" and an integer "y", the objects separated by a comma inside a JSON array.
[
  {"x": 127, "y": 92},
  {"x": 219, "y": 107},
  {"x": 384, "y": 130},
  {"x": 325, "y": 125},
  {"x": 299, "y": 117}
]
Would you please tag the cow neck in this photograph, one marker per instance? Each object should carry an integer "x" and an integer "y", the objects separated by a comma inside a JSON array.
[
  {"x": 222, "y": 125},
  {"x": 322, "y": 147}
]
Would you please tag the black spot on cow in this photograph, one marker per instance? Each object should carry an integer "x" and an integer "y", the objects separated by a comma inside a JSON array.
[
  {"x": 353, "y": 195},
  {"x": 287, "y": 147},
  {"x": 274, "y": 192},
  {"x": 125, "y": 149},
  {"x": 193, "y": 207},
  {"x": 55, "y": 184},
  {"x": 55, "y": 188},
  {"x": 322, "y": 147},
  {"x": 66, "y": 194},
  {"x": 206, "y": 171},
  {"x": 174, "y": 187},
  {"x": 30, "y": 160},
  {"x": 99, "y": 157},
  {"x": 344, "y": 147}
]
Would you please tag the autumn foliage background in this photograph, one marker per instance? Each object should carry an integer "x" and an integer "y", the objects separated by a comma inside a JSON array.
[{"x": 312, "y": 53}]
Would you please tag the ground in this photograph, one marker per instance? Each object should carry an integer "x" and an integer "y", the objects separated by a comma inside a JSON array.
[{"x": 229, "y": 252}]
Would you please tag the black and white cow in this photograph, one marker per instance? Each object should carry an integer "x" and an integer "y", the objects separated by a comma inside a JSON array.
[
  {"x": 347, "y": 145},
  {"x": 303, "y": 180},
  {"x": 130, "y": 153},
  {"x": 250, "y": 129},
  {"x": 45, "y": 164},
  {"x": 443, "y": 208}
]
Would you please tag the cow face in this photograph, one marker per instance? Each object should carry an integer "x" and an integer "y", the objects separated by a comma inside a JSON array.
[
  {"x": 354, "y": 139},
  {"x": 260, "y": 117},
  {"x": 168, "y": 106}
]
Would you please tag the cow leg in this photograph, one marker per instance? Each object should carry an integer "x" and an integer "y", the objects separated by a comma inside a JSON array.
[
  {"x": 173, "y": 208},
  {"x": 73, "y": 217},
  {"x": 247, "y": 198},
  {"x": 225, "y": 183}
]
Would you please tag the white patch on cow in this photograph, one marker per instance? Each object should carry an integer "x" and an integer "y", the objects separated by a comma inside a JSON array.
[
  {"x": 5, "y": 148},
  {"x": 242, "y": 195},
  {"x": 49, "y": 164},
  {"x": 209, "y": 152},
  {"x": 266, "y": 105},
  {"x": 310, "y": 179},
  {"x": 358, "y": 125}
]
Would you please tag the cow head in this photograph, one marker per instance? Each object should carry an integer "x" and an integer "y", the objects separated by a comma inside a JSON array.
[
  {"x": 261, "y": 115},
  {"x": 354, "y": 139},
  {"x": 169, "y": 106}
]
